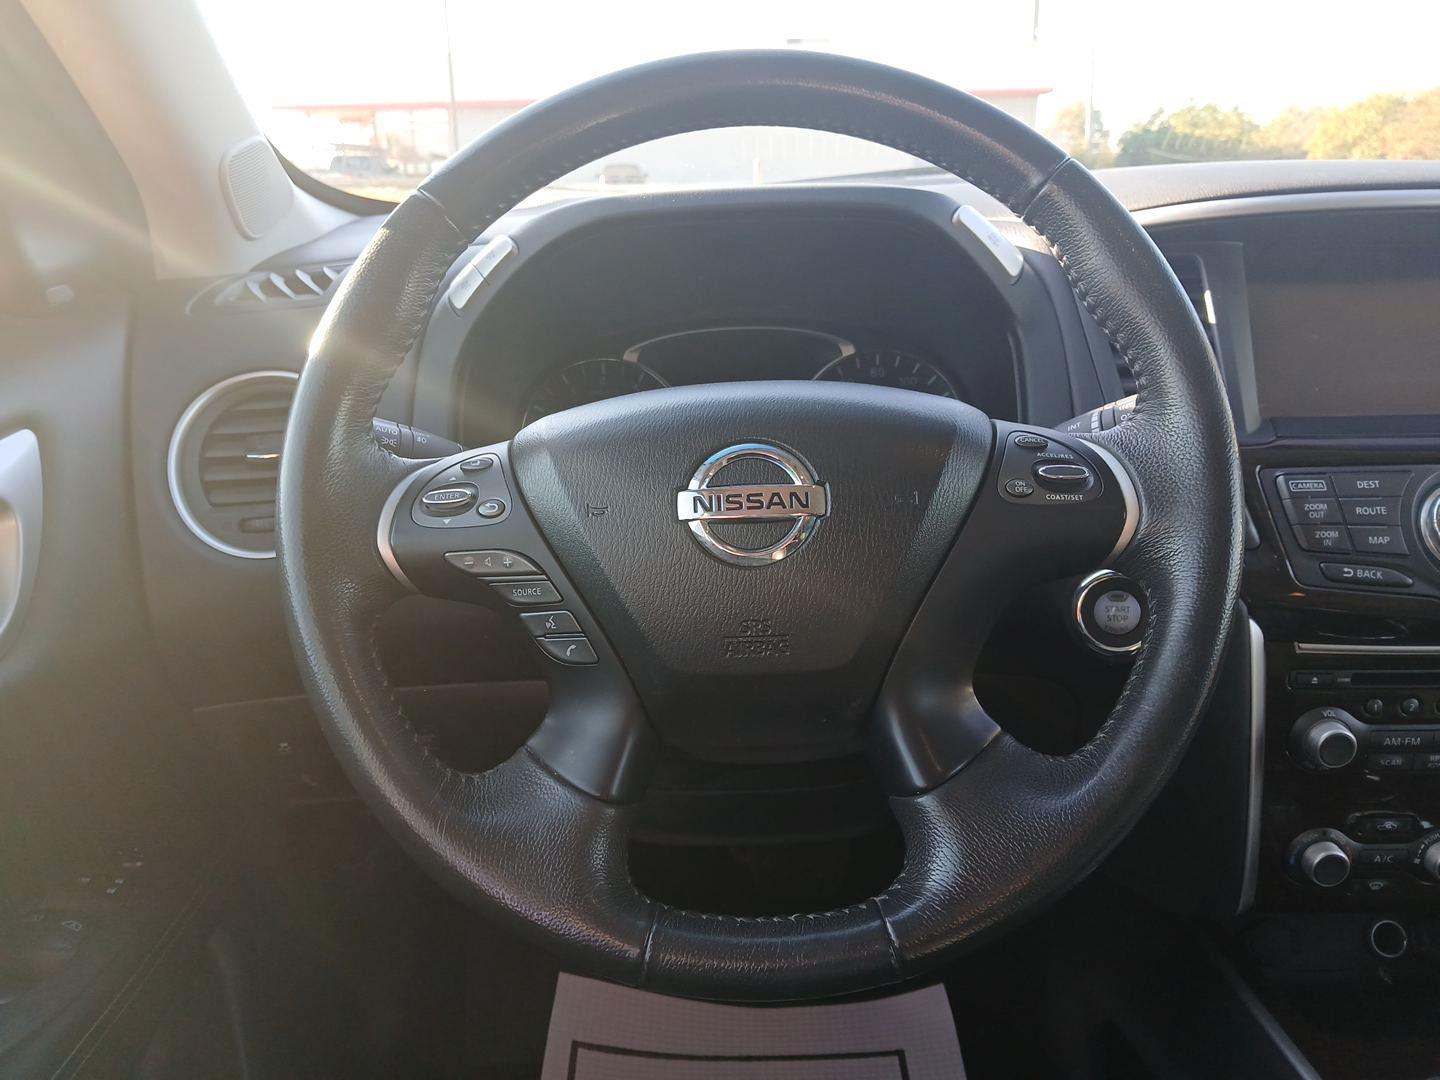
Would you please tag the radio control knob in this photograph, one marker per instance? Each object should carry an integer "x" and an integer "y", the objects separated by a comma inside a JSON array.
[
  {"x": 1323, "y": 739},
  {"x": 1324, "y": 863},
  {"x": 1429, "y": 523}
]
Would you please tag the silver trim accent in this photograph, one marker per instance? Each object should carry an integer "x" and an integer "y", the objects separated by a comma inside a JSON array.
[
  {"x": 477, "y": 271},
  {"x": 1127, "y": 491},
  {"x": 173, "y": 463},
  {"x": 1321, "y": 649},
  {"x": 22, "y": 492},
  {"x": 1429, "y": 521},
  {"x": 386, "y": 522},
  {"x": 1310, "y": 859},
  {"x": 1282, "y": 1042},
  {"x": 1081, "y": 595},
  {"x": 997, "y": 243},
  {"x": 1254, "y": 805},
  {"x": 1287, "y": 203},
  {"x": 634, "y": 352},
  {"x": 805, "y": 519},
  {"x": 1375, "y": 945}
]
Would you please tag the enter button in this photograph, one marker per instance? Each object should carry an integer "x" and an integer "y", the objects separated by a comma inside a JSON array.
[{"x": 1378, "y": 539}]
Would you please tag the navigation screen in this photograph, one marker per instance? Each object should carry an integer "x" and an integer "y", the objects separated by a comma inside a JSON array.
[{"x": 1360, "y": 339}]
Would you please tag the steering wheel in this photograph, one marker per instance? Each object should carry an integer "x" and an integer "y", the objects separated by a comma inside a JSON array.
[{"x": 790, "y": 567}]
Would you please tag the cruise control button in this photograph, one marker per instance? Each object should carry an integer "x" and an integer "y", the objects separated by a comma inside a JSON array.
[
  {"x": 1370, "y": 511},
  {"x": 1312, "y": 511},
  {"x": 527, "y": 593},
  {"x": 568, "y": 650},
  {"x": 491, "y": 563},
  {"x": 1353, "y": 574},
  {"x": 548, "y": 623},
  {"x": 1379, "y": 539},
  {"x": 1031, "y": 441},
  {"x": 449, "y": 501},
  {"x": 1019, "y": 487},
  {"x": 1322, "y": 537},
  {"x": 491, "y": 508},
  {"x": 1353, "y": 485},
  {"x": 1061, "y": 475},
  {"x": 1294, "y": 487}
]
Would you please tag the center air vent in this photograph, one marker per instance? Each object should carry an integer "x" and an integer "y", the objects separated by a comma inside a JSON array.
[
  {"x": 225, "y": 460},
  {"x": 297, "y": 286}
]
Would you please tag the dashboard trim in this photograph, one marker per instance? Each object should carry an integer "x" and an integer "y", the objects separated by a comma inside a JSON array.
[
  {"x": 1288, "y": 203},
  {"x": 1254, "y": 808}
]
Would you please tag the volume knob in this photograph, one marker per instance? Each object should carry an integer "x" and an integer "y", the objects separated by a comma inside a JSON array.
[{"x": 1323, "y": 739}]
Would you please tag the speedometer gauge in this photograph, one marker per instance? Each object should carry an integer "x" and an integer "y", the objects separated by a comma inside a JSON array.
[
  {"x": 889, "y": 367},
  {"x": 586, "y": 381}
]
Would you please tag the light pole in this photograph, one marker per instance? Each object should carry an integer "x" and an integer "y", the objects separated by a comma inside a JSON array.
[{"x": 450, "y": 75}]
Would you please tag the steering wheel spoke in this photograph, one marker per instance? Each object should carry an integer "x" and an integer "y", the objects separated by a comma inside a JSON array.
[
  {"x": 456, "y": 529},
  {"x": 1051, "y": 506}
]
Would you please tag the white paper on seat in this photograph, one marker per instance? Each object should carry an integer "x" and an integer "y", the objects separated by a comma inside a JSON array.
[{"x": 603, "y": 1032}]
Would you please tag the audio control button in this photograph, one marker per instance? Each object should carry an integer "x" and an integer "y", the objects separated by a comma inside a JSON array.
[
  {"x": 1401, "y": 739},
  {"x": 1389, "y": 762}
]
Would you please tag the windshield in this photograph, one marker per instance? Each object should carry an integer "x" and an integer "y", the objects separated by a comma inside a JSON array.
[{"x": 371, "y": 95}]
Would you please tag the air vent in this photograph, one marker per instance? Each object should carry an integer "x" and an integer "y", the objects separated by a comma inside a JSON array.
[
  {"x": 300, "y": 285},
  {"x": 225, "y": 460}
]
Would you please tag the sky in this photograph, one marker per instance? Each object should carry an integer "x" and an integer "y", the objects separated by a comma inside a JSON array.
[{"x": 1259, "y": 55}]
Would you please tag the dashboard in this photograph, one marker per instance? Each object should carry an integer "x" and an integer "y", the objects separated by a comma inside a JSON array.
[{"x": 1323, "y": 308}]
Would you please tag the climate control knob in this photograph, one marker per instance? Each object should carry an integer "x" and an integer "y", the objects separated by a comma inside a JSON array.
[
  {"x": 1324, "y": 863},
  {"x": 1430, "y": 861},
  {"x": 1429, "y": 523},
  {"x": 1325, "y": 738}
]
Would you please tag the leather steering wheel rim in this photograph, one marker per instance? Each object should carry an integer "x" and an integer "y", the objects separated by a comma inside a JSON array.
[{"x": 1010, "y": 831}]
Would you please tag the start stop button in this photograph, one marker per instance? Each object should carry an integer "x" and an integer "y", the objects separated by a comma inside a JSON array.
[
  {"x": 1116, "y": 612},
  {"x": 1110, "y": 613}
]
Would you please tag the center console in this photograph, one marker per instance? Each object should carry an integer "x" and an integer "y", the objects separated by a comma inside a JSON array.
[{"x": 1325, "y": 328}]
